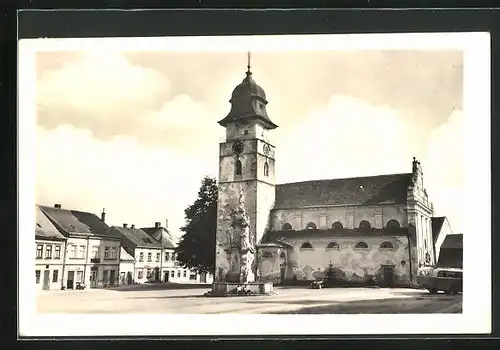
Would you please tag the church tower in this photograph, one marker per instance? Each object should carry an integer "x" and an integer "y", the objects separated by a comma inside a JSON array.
[{"x": 246, "y": 168}]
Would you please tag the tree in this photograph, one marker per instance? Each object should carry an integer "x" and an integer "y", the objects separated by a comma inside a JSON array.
[{"x": 196, "y": 248}]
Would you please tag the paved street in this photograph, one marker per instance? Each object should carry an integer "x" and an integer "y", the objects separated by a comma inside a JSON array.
[{"x": 289, "y": 300}]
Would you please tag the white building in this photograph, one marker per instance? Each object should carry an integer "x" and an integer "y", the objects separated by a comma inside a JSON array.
[
  {"x": 127, "y": 263},
  {"x": 92, "y": 253},
  {"x": 49, "y": 258}
]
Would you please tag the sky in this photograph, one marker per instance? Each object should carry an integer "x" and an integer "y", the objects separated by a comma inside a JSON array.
[{"x": 135, "y": 131}]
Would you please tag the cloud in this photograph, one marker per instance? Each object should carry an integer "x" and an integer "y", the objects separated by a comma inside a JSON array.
[{"x": 135, "y": 183}]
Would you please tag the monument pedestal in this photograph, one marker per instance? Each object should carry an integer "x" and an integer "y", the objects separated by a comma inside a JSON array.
[{"x": 228, "y": 289}]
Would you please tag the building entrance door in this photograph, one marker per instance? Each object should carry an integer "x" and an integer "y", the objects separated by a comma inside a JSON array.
[
  {"x": 129, "y": 278},
  {"x": 46, "y": 280},
  {"x": 71, "y": 280},
  {"x": 112, "y": 277},
  {"x": 165, "y": 276},
  {"x": 388, "y": 273},
  {"x": 203, "y": 277},
  {"x": 93, "y": 277}
]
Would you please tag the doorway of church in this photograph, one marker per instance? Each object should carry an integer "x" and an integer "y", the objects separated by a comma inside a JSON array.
[{"x": 388, "y": 276}]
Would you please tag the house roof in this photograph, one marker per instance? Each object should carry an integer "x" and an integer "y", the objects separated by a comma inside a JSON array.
[
  {"x": 137, "y": 237},
  {"x": 276, "y": 236},
  {"x": 437, "y": 224},
  {"x": 44, "y": 228},
  {"x": 454, "y": 241},
  {"x": 125, "y": 256},
  {"x": 350, "y": 191},
  {"x": 78, "y": 222},
  {"x": 161, "y": 234}
]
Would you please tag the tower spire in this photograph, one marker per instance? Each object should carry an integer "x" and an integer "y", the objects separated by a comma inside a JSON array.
[{"x": 249, "y": 56}]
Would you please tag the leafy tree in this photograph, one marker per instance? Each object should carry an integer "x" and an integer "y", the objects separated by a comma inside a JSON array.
[{"x": 196, "y": 248}]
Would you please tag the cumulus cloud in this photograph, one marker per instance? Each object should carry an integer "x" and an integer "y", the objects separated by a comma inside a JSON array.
[{"x": 136, "y": 184}]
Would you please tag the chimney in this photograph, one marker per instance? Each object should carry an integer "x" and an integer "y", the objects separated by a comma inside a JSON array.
[
  {"x": 103, "y": 215},
  {"x": 125, "y": 225},
  {"x": 132, "y": 226},
  {"x": 157, "y": 224},
  {"x": 57, "y": 206}
]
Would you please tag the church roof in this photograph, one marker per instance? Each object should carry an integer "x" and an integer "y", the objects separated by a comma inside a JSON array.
[
  {"x": 436, "y": 223},
  {"x": 276, "y": 236},
  {"x": 45, "y": 229},
  {"x": 349, "y": 191}
]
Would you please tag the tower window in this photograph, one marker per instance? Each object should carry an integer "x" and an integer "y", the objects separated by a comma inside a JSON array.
[
  {"x": 266, "y": 169},
  {"x": 237, "y": 167}
]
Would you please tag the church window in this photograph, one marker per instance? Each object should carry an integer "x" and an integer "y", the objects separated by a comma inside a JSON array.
[
  {"x": 237, "y": 167},
  {"x": 337, "y": 225},
  {"x": 393, "y": 224},
  {"x": 332, "y": 245},
  {"x": 386, "y": 245},
  {"x": 364, "y": 225},
  {"x": 268, "y": 255},
  {"x": 306, "y": 245},
  {"x": 311, "y": 226},
  {"x": 361, "y": 245},
  {"x": 286, "y": 227},
  {"x": 282, "y": 255},
  {"x": 245, "y": 132},
  {"x": 266, "y": 169}
]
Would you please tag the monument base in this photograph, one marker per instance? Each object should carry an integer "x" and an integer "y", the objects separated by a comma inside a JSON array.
[{"x": 229, "y": 289}]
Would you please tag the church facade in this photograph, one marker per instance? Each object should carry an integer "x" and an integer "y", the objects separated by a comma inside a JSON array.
[{"x": 367, "y": 229}]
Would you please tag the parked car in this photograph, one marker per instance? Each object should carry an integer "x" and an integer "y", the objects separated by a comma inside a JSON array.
[
  {"x": 446, "y": 279},
  {"x": 322, "y": 283}
]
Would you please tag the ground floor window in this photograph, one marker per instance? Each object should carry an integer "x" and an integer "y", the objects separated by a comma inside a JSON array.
[
  {"x": 55, "y": 275},
  {"x": 179, "y": 273},
  {"x": 140, "y": 274},
  {"x": 172, "y": 274},
  {"x": 192, "y": 276},
  {"x": 79, "y": 276},
  {"x": 185, "y": 273},
  {"x": 37, "y": 276}
]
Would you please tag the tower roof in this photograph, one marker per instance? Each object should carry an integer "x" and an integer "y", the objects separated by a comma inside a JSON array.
[{"x": 248, "y": 102}]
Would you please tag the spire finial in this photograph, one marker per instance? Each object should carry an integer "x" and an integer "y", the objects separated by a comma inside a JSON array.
[{"x": 249, "y": 56}]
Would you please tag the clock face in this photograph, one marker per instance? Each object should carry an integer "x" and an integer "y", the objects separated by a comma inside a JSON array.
[
  {"x": 267, "y": 149},
  {"x": 238, "y": 147}
]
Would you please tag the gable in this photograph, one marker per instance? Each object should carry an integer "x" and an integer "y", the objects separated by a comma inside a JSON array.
[
  {"x": 350, "y": 191},
  {"x": 44, "y": 228}
]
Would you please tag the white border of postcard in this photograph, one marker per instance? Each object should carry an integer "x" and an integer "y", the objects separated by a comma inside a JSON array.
[{"x": 476, "y": 316}]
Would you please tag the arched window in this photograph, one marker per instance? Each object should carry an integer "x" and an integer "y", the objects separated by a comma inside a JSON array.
[
  {"x": 364, "y": 225},
  {"x": 286, "y": 227},
  {"x": 267, "y": 255},
  {"x": 337, "y": 225},
  {"x": 386, "y": 245},
  {"x": 361, "y": 245},
  {"x": 282, "y": 255},
  {"x": 237, "y": 167},
  {"x": 266, "y": 169},
  {"x": 332, "y": 245},
  {"x": 306, "y": 245},
  {"x": 311, "y": 226},
  {"x": 393, "y": 224}
]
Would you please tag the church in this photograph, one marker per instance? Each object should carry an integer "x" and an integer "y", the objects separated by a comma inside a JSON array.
[{"x": 369, "y": 230}]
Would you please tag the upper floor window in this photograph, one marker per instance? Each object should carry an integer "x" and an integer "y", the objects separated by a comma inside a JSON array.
[
  {"x": 107, "y": 253},
  {"x": 39, "y": 251},
  {"x": 114, "y": 252},
  {"x": 311, "y": 226},
  {"x": 150, "y": 255},
  {"x": 364, "y": 225},
  {"x": 266, "y": 169},
  {"x": 95, "y": 252},
  {"x": 393, "y": 224},
  {"x": 48, "y": 252},
  {"x": 332, "y": 245},
  {"x": 361, "y": 245},
  {"x": 81, "y": 252},
  {"x": 337, "y": 225},
  {"x": 267, "y": 255},
  {"x": 237, "y": 167},
  {"x": 158, "y": 256},
  {"x": 386, "y": 245},
  {"x": 167, "y": 256},
  {"x": 286, "y": 227},
  {"x": 282, "y": 255},
  {"x": 72, "y": 251},
  {"x": 57, "y": 252},
  {"x": 141, "y": 256},
  {"x": 306, "y": 245}
]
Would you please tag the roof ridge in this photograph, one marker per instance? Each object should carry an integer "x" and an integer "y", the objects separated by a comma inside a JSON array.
[{"x": 344, "y": 178}]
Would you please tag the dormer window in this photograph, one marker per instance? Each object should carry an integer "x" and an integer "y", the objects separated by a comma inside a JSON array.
[{"x": 146, "y": 240}]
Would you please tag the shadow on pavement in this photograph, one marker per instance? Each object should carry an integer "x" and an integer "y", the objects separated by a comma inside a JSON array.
[
  {"x": 413, "y": 305},
  {"x": 172, "y": 297},
  {"x": 159, "y": 286}
]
